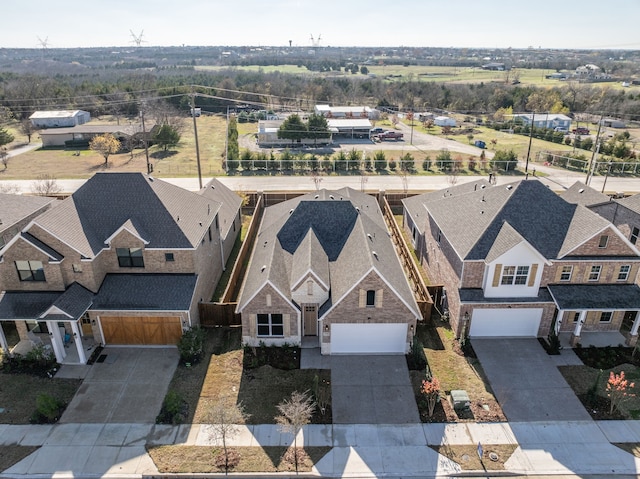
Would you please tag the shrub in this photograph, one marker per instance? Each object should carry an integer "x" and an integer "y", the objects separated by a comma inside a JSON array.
[
  {"x": 191, "y": 345},
  {"x": 48, "y": 409},
  {"x": 426, "y": 164},
  {"x": 174, "y": 409},
  {"x": 416, "y": 360}
]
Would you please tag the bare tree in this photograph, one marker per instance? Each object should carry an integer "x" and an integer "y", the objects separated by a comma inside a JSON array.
[
  {"x": 27, "y": 128},
  {"x": 225, "y": 420},
  {"x": 45, "y": 185},
  {"x": 295, "y": 413},
  {"x": 316, "y": 178}
]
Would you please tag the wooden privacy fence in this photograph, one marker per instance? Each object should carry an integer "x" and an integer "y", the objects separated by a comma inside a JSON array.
[
  {"x": 218, "y": 314},
  {"x": 420, "y": 291}
]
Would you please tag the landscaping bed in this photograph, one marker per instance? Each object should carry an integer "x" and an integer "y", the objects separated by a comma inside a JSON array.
[
  {"x": 456, "y": 367},
  {"x": 13, "y": 454},
  {"x": 200, "y": 459}
]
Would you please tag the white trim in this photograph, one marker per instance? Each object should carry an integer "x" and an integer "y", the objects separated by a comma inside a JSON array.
[
  {"x": 121, "y": 229},
  {"x": 307, "y": 273},
  {"x": 55, "y": 310},
  {"x": 20, "y": 237}
]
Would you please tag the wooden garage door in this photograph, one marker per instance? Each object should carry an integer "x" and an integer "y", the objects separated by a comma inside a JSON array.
[{"x": 141, "y": 329}]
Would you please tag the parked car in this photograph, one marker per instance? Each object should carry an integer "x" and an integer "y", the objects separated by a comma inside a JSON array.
[
  {"x": 562, "y": 129},
  {"x": 480, "y": 144},
  {"x": 390, "y": 135},
  {"x": 581, "y": 130},
  {"x": 376, "y": 131}
]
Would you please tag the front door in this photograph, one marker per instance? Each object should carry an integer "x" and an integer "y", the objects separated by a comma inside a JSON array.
[
  {"x": 310, "y": 313},
  {"x": 627, "y": 321},
  {"x": 86, "y": 326}
]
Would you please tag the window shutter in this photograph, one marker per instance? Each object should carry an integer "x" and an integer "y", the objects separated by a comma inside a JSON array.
[
  {"x": 379, "y": 298},
  {"x": 532, "y": 274},
  {"x": 363, "y": 298},
  {"x": 496, "y": 275},
  {"x": 286, "y": 325},
  {"x": 633, "y": 271},
  {"x": 253, "y": 320},
  {"x": 558, "y": 272}
]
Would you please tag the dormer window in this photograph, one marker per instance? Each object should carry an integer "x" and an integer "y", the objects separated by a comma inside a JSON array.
[
  {"x": 130, "y": 257},
  {"x": 30, "y": 270},
  {"x": 514, "y": 275}
]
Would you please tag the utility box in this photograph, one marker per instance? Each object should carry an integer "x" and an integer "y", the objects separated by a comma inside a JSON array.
[{"x": 460, "y": 400}]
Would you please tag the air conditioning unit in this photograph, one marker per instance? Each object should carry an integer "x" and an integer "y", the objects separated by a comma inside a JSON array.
[{"x": 460, "y": 400}]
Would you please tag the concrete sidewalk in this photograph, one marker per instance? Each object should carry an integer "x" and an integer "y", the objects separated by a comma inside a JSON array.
[{"x": 359, "y": 450}]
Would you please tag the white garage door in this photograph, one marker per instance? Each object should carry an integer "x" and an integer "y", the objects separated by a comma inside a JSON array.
[
  {"x": 508, "y": 322},
  {"x": 368, "y": 338}
]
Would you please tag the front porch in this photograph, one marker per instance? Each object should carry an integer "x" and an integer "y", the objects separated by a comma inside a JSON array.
[{"x": 597, "y": 339}]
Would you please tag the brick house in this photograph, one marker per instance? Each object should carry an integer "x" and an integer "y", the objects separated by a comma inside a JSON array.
[
  {"x": 16, "y": 211},
  {"x": 517, "y": 259},
  {"x": 124, "y": 260},
  {"x": 324, "y": 271}
]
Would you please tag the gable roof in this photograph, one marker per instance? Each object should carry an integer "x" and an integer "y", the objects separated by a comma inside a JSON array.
[
  {"x": 341, "y": 235},
  {"x": 14, "y": 208},
  {"x": 230, "y": 203},
  {"x": 581, "y": 194},
  {"x": 166, "y": 216},
  {"x": 473, "y": 221},
  {"x": 630, "y": 202}
]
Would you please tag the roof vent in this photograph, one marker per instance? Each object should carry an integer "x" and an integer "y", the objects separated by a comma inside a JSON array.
[
  {"x": 375, "y": 254},
  {"x": 357, "y": 209},
  {"x": 200, "y": 223},
  {"x": 151, "y": 178},
  {"x": 178, "y": 218},
  {"x": 483, "y": 187},
  {"x": 265, "y": 243},
  {"x": 208, "y": 209},
  {"x": 331, "y": 196},
  {"x": 213, "y": 187},
  {"x": 581, "y": 190},
  {"x": 264, "y": 266},
  {"x": 509, "y": 187},
  {"x": 369, "y": 236},
  {"x": 316, "y": 197},
  {"x": 482, "y": 198},
  {"x": 291, "y": 211},
  {"x": 475, "y": 187}
]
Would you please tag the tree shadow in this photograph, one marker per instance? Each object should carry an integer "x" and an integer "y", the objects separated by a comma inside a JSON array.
[{"x": 160, "y": 155}]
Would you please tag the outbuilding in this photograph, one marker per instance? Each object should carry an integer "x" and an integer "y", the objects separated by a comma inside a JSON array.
[{"x": 59, "y": 118}]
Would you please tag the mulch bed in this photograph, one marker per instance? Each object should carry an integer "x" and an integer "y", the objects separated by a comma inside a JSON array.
[{"x": 599, "y": 408}]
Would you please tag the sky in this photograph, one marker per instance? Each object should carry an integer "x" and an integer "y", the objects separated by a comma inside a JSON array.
[{"x": 587, "y": 24}]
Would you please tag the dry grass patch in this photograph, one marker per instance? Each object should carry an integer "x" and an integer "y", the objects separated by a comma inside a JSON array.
[
  {"x": 18, "y": 393},
  {"x": 201, "y": 459},
  {"x": 467, "y": 455},
  {"x": 10, "y": 455}
]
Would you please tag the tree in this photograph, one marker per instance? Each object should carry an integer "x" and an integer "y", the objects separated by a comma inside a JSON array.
[
  {"x": 446, "y": 130},
  {"x": 431, "y": 389},
  {"x": 379, "y": 161},
  {"x": 5, "y": 137},
  {"x": 106, "y": 145},
  {"x": 469, "y": 137},
  {"x": 295, "y": 413},
  {"x": 167, "y": 136},
  {"x": 618, "y": 390},
  {"x": 504, "y": 160},
  {"x": 318, "y": 128},
  {"x": 45, "y": 185},
  {"x": 225, "y": 420},
  {"x": 4, "y": 157},
  {"x": 444, "y": 160},
  {"x": 27, "y": 128},
  {"x": 293, "y": 128}
]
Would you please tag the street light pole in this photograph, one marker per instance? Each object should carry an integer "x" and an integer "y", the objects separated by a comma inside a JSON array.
[
  {"x": 195, "y": 135},
  {"x": 526, "y": 165}
]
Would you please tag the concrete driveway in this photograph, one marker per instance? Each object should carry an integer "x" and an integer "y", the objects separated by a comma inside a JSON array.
[
  {"x": 372, "y": 390},
  {"x": 128, "y": 387},
  {"x": 527, "y": 382}
]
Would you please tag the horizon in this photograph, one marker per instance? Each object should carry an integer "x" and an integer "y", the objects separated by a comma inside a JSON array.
[{"x": 495, "y": 24}]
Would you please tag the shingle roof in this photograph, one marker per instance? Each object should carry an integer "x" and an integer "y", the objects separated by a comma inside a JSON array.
[
  {"x": 152, "y": 292},
  {"x": 631, "y": 202},
  {"x": 26, "y": 305},
  {"x": 581, "y": 194},
  {"x": 14, "y": 208},
  {"x": 596, "y": 296},
  {"x": 53, "y": 254},
  {"x": 347, "y": 226},
  {"x": 230, "y": 203},
  {"x": 74, "y": 301},
  {"x": 168, "y": 216},
  {"x": 473, "y": 221}
]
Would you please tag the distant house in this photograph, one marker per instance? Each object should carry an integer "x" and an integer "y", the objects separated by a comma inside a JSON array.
[
  {"x": 83, "y": 134},
  {"x": 59, "y": 118},
  {"x": 324, "y": 269},
  {"x": 545, "y": 120},
  {"x": 591, "y": 72},
  {"x": 613, "y": 123},
  {"x": 495, "y": 66},
  {"x": 444, "y": 121}
]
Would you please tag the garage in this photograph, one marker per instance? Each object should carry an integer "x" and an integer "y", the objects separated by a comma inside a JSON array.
[
  {"x": 141, "y": 330},
  {"x": 350, "y": 338},
  {"x": 506, "y": 323}
]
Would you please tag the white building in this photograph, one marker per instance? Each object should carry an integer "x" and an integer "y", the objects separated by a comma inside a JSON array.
[
  {"x": 444, "y": 121},
  {"x": 347, "y": 112},
  {"x": 59, "y": 118}
]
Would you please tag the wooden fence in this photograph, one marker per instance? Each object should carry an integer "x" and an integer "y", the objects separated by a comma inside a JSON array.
[
  {"x": 218, "y": 314},
  {"x": 420, "y": 291}
]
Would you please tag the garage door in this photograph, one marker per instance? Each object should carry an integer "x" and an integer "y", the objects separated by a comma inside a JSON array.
[
  {"x": 368, "y": 338},
  {"x": 507, "y": 323},
  {"x": 141, "y": 329}
]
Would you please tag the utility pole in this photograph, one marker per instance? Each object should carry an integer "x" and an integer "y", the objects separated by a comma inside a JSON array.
[
  {"x": 146, "y": 144},
  {"x": 226, "y": 145},
  {"x": 195, "y": 135},
  {"x": 596, "y": 148},
  {"x": 526, "y": 165}
]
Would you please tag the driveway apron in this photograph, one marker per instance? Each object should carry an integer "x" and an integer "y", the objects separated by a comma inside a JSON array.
[
  {"x": 127, "y": 387},
  {"x": 526, "y": 381},
  {"x": 372, "y": 390}
]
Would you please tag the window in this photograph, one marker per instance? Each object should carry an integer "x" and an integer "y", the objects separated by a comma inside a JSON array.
[
  {"x": 130, "y": 257},
  {"x": 635, "y": 232},
  {"x": 566, "y": 273},
  {"x": 605, "y": 316},
  {"x": 270, "y": 325},
  {"x": 604, "y": 239},
  {"x": 514, "y": 275},
  {"x": 594, "y": 275},
  {"x": 371, "y": 298},
  {"x": 2, "y": 242},
  {"x": 77, "y": 267},
  {"x": 623, "y": 274},
  {"x": 168, "y": 257},
  {"x": 30, "y": 270}
]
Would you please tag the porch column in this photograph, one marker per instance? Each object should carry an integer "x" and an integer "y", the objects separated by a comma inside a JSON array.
[
  {"x": 3, "y": 340},
  {"x": 633, "y": 334},
  {"x": 56, "y": 340},
  {"x": 575, "y": 337},
  {"x": 77, "y": 339},
  {"x": 558, "y": 321}
]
